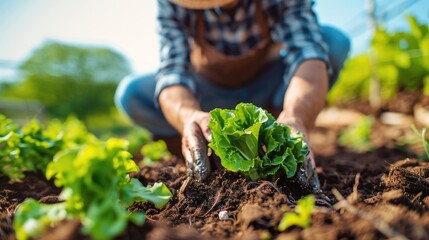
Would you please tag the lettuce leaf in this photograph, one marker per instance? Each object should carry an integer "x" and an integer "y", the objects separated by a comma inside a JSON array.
[{"x": 247, "y": 139}]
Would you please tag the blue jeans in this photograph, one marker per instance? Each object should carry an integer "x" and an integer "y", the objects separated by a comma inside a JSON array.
[{"x": 135, "y": 94}]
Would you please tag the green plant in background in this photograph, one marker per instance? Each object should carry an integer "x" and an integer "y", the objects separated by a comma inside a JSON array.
[
  {"x": 136, "y": 136},
  {"x": 302, "y": 215},
  {"x": 358, "y": 137},
  {"x": 96, "y": 189},
  {"x": 426, "y": 86},
  {"x": 424, "y": 141},
  {"x": 33, "y": 146},
  {"x": 402, "y": 64},
  {"x": 154, "y": 151},
  {"x": 249, "y": 140},
  {"x": 353, "y": 82}
]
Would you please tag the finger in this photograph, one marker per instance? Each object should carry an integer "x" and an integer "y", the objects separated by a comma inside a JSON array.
[
  {"x": 310, "y": 168},
  {"x": 207, "y": 132},
  {"x": 188, "y": 158},
  {"x": 198, "y": 149},
  {"x": 202, "y": 164},
  {"x": 311, "y": 173},
  {"x": 310, "y": 159},
  {"x": 310, "y": 154}
]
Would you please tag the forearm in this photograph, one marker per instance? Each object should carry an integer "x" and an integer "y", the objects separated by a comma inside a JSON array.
[
  {"x": 175, "y": 88},
  {"x": 178, "y": 104},
  {"x": 305, "y": 96}
]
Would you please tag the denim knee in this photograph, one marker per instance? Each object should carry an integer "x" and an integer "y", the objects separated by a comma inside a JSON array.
[
  {"x": 134, "y": 98},
  {"x": 123, "y": 94},
  {"x": 338, "y": 46}
]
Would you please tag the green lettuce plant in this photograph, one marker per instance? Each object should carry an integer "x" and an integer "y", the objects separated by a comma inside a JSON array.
[
  {"x": 249, "y": 140},
  {"x": 358, "y": 136},
  {"x": 96, "y": 189}
]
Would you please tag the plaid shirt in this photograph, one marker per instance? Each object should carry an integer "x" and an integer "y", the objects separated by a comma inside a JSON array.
[{"x": 291, "y": 22}]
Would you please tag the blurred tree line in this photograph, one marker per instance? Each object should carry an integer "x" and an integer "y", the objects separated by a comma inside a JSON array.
[
  {"x": 401, "y": 64},
  {"x": 70, "y": 80}
]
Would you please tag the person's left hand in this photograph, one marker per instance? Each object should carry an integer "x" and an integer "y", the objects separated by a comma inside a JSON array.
[{"x": 195, "y": 137}]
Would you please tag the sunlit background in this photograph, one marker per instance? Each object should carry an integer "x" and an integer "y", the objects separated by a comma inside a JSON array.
[
  {"x": 128, "y": 29},
  {"x": 129, "y": 26}
]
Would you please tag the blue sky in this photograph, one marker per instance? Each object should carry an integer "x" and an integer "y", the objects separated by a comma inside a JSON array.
[{"x": 128, "y": 26}]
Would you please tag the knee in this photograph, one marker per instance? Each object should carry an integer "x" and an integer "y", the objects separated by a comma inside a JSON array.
[
  {"x": 338, "y": 44},
  {"x": 124, "y": 92},
  {"x": 135, "y": 90}
]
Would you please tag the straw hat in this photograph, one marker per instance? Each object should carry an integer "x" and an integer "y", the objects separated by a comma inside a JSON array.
[{"x": 201, "y": 4}]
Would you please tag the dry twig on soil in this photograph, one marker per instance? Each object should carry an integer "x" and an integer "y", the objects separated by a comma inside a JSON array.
[
  {"x": 381, "y": 226},
  {"x": 354, "y": 197},
  {"x": 215, "y": 202},
  {"x": 263, "y": 183},
  {"x": 273, "y": 185},
  {"x": 182, "y": 189}
]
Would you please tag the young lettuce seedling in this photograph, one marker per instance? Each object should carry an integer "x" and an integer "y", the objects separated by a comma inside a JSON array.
[
  {"x": 424, "y": 140},
  {"x": 249, "y": 140},
  {"x": 358, "y": 137},
  {"x": 302, "y": 215},
  {"x": 154, "y": 152}
]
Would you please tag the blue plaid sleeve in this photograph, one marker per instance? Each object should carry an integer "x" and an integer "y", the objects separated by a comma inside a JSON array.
[
  {"x": 174, "y": 53},
  {"x": 299, "y": 30}
]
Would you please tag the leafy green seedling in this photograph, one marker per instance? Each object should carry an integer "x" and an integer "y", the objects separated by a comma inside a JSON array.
[
  {"x": 302, "y": 215},
  {"x": 154, "y": 151},
  {"x": 423, "y": 139},
  {"x": 358, "y": 136},
  {"x": 249, "y": 140}
]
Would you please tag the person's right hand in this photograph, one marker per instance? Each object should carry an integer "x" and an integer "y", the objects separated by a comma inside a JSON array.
[{"x": 195, "y": 137}]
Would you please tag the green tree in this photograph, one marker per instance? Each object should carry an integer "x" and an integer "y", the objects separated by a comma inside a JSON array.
[{"x": 71, "y": 79}]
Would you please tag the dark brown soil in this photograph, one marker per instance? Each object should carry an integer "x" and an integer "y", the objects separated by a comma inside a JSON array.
[
  {"x": 386, "y": 195},
  {"x": 11, "y": 194}
]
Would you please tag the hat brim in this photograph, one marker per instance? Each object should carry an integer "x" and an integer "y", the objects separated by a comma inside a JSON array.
[{"x": 201, "y": 4}]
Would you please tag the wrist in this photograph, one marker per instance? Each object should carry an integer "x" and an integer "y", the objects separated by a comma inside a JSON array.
[
  {"x": 187, "y": 114},
  {"x": 296, "y": 123},
  {"x": 179, "y": 105}
]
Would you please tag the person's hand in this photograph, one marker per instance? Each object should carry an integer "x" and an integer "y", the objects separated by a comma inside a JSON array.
[
  {"x": 306, "y": 174},
  {"x": 195, "y": 137}
]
